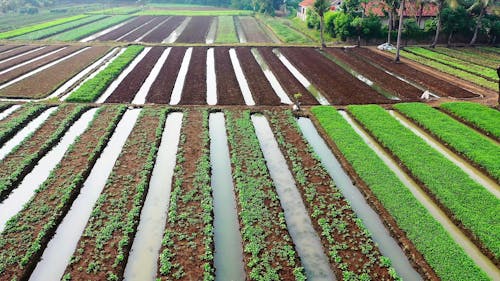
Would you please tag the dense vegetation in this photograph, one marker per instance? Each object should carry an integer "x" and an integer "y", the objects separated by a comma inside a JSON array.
[{"x": 480, "y": 116}]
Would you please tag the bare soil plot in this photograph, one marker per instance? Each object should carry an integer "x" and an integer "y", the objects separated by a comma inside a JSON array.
[
  {"x": 336, "y": 84},
  {"x": 4, "y": 48},
  {"x": 261, "y": 89},
  {"x": 196, "y": 30},
  {"x": 195, "y": 87},
  {"x": 143, "y": 30},
  {"x": 129, "y": 87},
  {"x": 17, "y": 51},
  {"x": 117, "y": 33},
  {"x": 28, "y": 57},
  {"x": 161, "y": 90},
  {"x": 253, "y": 31},
  {"x": 44, "y": 83},
  {"x": 164, "y": 30},
  {"x": 286, "y": 79},
  {"x": 436, "y": 85},
  {"x": 390, "y": 83},
  {"x": 228, "y": 89}
]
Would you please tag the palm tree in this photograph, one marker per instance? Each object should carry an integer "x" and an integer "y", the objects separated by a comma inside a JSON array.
[
  {"x": 400, "y": 28},
  {"x": 483, "y": 4},
  {"x": 321, "y": 7},
  {"x": 441, "y": 4}
]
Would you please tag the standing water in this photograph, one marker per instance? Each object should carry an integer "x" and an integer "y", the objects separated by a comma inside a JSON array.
[
  {"x": 387, "y": 245},
  {"x": 142, "y": 262},
  {"x": 228, "y": 245},
  {"x": 58, "y": 252},
  {"x": 240, "y": 76},
  {"x": 9, "y": 111},
  {"x": 305, "y": 238},
  {"x": 181, "y": 78},
  {"x": 15, "y": 202},
  {"x": 211, "y": 78},
  {"x": 271, "y": 78},
  {"x": 140, "y": 97}
]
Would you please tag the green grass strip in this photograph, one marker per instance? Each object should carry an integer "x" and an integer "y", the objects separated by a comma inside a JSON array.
[
  {"x": 490, "y": 49},
  {"x": 469, "y": 202},
  {"x": 94, "y": 87},
  {"x": 226, "y": 32},
  {"x": 467, "y": 142},
  {"x": 284, "y": 32},
  {"x": 87, "y": 30},
  {"x": 27, "y": 29},
  {"x": 468, "y": 56},
  {"x": 194, "y": 13},
  {"x": 447, "y": 258},
  {"x": 483, "y": 117}
]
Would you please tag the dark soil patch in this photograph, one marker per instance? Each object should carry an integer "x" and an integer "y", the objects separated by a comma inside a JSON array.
[
  {"x": 195, "y": 86},
  {"x": 143, "y": 30},
  {"x": 17, "y": 51},
  {"x": 253, "y": 31},
  {"x": 28, "y": 57},
  {"x": 128, "y": 88},
  {"x": 196, "y": 30},
  {"x": 228, "y": 89},
  {"x": 339, "y": 87},
  {"x": 162, "y": 88},
  {"x": 5, "y": 48},
  {"x": 164, "y": 30},
  {"x": 117, "y": 33}
]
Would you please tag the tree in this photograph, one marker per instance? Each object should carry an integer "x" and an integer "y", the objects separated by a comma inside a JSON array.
[
  {"x": 321, "y": 7},
  {"x": 393, "y": 5},
  {"x": 400, "y": 28},
  {"x": 483, "y": 5},
  {"x": 455, "y": 20},
  {"x": 441, "y": 5}
]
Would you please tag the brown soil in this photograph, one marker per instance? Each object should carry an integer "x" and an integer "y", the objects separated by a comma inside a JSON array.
[
  {"x": 228, "y": 89},
  {"x": 338, "y": 86},
  {"x": 261, "y": 89},
  {"x": 32, "y": 66},
  {"x": 48, "y": 206},
  {"x": 4, "y": 48},
  {"x": 196, "y": 30},
  {"x": 8, "y": 131},
  {"x": 437, "y": 85},
  {"x": 117, "y": 33},
  {"x": 143, "y": 29},
  {"x": 128, "y": 88},
  {"x": 286, "y": 79},
  {"x": 24, "y": 58},
  {"x": 388, "y": 82},
  {"x": 120, "y": 193},
  {"x": 164, "y": 30},
  {"x": 17, "y": 51},
  {"x": 161, "y": 90},
  {"x": 195, "y": 86},
  {"x": 44, "y": 83},
  {"x": 252, "y": 30}
]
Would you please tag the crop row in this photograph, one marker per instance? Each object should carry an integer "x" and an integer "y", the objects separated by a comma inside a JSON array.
[
  {"x": 15, "y": 121},
  {"x": 21, "y": 246},
  {"x": 489, "y": 49},
  {"x": 468, "y": 56},
  {"x": 36, "y": 27},
  {"x": 284, "y": 32},
  {"x": 345, "y": 238},
  {"x": 94, "y": 87},
  {"x": 191, "y": 207},
  {"x": 116, "y": 213},
  {"x": 477, "y": 115},
  {"x": 446, "y": 258},
  {"x": 470, "y": 204},
  {"x": 268, "y": 248},
  {"x": 4, "y": 106},
  {"x": 226, "y": 32},
  {"x": 467, "y": 142},
  {"x": 89, "y": 29},
  {"x": 26, "y": 154}
]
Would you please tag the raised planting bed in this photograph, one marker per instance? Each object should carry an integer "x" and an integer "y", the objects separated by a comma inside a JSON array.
[
  {"x": 195, "y": 86},
  {"x": 5, "y": 48},
  {"x": 27, "y": 57},
  {"x": 196, "y": 31},
  {"x": 252, "y": 30},
  {"x": 124, "y": 29},
  {"x": 467, "y": 55},
  {"x": 40, "y": 26},
  {"x": 16, "y": 51},
  {"x": 338, "y": 86},
  {"x": 188, "y": 245},
  {"x": 103, "y": 248},
  {"x": 466, "y": 202},
  {"x": 143, "y": 30},
  {"x": 18, "y": 119},
  {"x": 44, "y": 83},
  {"x": 228, "y": 89},
  {"x": 89, "y": 29},
  {"x": 405, "y": 215},
  {"x": 164, "y": 30},
  {"x": 284, "y": 31},
  {"x": 21, "y": 246},
  {"x": 268, "y": 248},
  {"x": 226, "y": 31}
]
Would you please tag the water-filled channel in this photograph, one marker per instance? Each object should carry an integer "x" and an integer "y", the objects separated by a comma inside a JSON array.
[
  {"x": 240, "y": 76},
  {"x": 140, "y": 97}
]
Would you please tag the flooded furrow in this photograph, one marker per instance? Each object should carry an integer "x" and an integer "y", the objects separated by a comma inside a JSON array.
[
  {"x": 22, "y": 54},
  {"x": 142, "y": 261},
  {"x": 151, "y": 30},
  {"x": 122, "y": 76},
  {"x": 140, "y": 97},
  {"x": 211, "y": 78},
  {"x": 240, "y": 76},
  {"x": 305, "y": 238},
  {"x": 58, "y": 252},
  {"x": 470, "y": 170},
  {"x": 239, "y": 30},
  {"x": 177, "y": 32},
  {"x": 212, "y": 31},
  {"x": 26, "y": 189},
  {"x": 31, "y": 60},
  {"x": 181, "y": 78},
  {"x": 271, "y": 78},
  {"x": 25, "y": 132},
  {"x": 387, "y": 244},
  {"x": 228, "y": 243},
  {"x": 301, "y": 78},
  {"x": 458, "y": 236},
  {"x": 9, "y": 111}
]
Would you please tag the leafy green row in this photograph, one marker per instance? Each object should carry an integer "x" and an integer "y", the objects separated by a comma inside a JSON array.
[
  {"x": 482, "y": 71},
  {"x": 261, "y": 216},
  {"x": 47, "y": 32},
  {"x": 117, "y": 11},
  {"x": 28, "y": 29},
  {"x": 19, "y": 244},
  {"x": 472, "y": 145},
  {"x": 94, "y": 87},
  {"x": 226, "y": 32},
  {"x": 14, "y": 122},
  {"x": 469, "y": 202},
  {"x": 24, "y": 156},
  {"x": 468, "y": 56},
  {"x": 480, "y": 116},
  {"x": 284, "y": 32},
  {"x": 447, "y": 258},
  {"x": 89, "y": 29}
]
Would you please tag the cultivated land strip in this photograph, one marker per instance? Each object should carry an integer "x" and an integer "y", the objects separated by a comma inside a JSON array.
[
  {"x": 18, "y": 119},
  {"x": 163, "y": 30},
  {"x": 252, "y": 30},
  {"x": 21, "y": 246},
  {"x": 26, "y": 57},
  {"x": 468, "y": 56},
  {"x": 136, "y": 34},
  {"x": 40, "y": 26},
  {"x": 195, "y": 87},
  {"x": 117, "y": 33},
  {"x": 228, "y": 89},
  {"x": 89, "y": 29},
  {"x": 196, "y": 31},
  {"x": 17, "y": 51},
  {"x": 7, "y": 48}
]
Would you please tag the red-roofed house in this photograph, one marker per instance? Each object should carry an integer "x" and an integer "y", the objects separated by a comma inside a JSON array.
[{"x": 307, "y": 4}]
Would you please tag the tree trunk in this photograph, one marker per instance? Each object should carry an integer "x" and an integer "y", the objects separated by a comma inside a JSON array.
[
  {"x": 321, "y": 27},
  {"x": 438, "y": 26},
  {"x": 421, "y": 11},
  {"x": 400, "y": 29},
  {"x": 478, "y": 26},
  {"x": 449, "y": 39},
  {"x": 389, "y": 24}
]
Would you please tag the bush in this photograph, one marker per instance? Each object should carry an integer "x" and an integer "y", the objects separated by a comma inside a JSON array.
[
  {"x": 312, "y": 19},
  {"x": 330, "y": 17}
]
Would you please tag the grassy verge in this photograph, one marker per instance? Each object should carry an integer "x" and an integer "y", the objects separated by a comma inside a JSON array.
[
  {"x": 447, "y": 258},
  {"x": 87, "y": 30},
  {"x": 226, "y": 31},
  {"x": 480, "y": 116},
  {"x": 283, "y": 30},
  {"x": 28, "y": 29}
]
